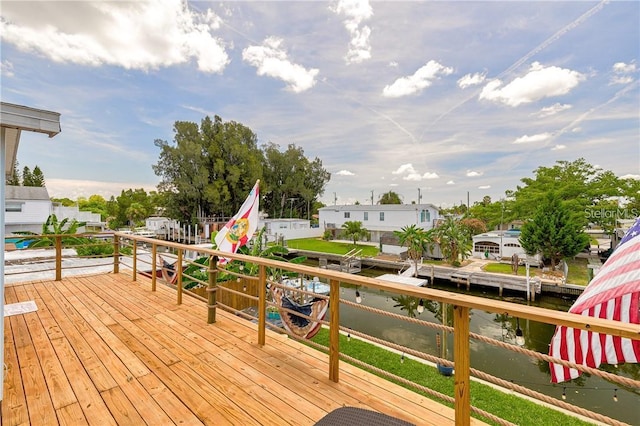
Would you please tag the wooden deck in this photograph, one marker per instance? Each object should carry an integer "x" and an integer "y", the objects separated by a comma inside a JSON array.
[{"x": 105, "y": 350}]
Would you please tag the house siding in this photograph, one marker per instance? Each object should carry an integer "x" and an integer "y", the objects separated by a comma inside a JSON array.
[{"x": 396, "y": 216}]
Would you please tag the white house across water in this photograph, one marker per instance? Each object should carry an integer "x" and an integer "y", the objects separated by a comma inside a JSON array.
[
  {"x": 497, "y": 245},
  {"x": 380, "y": 219}
]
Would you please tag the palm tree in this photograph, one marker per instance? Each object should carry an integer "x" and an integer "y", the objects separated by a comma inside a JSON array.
[
  {"x": 54, "y": 227},
  {"x": 353, "y": 229},
  {"x": 455, "y": 241},
  {"x": 416, "y": 240}
]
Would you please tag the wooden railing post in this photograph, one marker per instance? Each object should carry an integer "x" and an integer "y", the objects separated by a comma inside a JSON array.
[
  {"x": 179, "y": 272},
  {"x": 334, "y": 330},
  {"x": 116, "y": 254},
  {"x": 262, "y": 304},
  {"x": 58, "y": 257},
  {"x": 134, "y": 270},
  {"x": 154, "y": 265},
  {"x": 462, "y": 365},
  {"x": 211, "y": 289}
]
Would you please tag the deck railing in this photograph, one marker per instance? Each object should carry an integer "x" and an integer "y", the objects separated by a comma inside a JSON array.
[{"x": 178, "y": 263}]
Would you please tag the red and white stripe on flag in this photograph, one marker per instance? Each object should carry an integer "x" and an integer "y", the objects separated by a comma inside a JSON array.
[
  {"x": 613, "y": 294},
  {"x": 241, "y": 227}
]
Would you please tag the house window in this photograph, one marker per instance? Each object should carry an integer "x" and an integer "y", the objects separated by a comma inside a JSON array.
[
  {"x": 486, "y": 247},
  {"x": 366, "y": 215},
  {"x": 347, "y": 215},
  {"x": 13, "y": 207},
  {"x": 381, "y": 216},
  {"x": 425, "y": 216}
]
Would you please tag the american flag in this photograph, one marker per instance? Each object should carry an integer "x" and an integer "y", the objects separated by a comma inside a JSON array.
[{"x": 613, "y": 294}]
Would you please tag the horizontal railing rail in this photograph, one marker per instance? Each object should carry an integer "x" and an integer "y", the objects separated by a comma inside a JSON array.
[{"x": 247, "y": 288}]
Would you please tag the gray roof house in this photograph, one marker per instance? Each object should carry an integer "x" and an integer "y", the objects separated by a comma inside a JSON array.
[{"x": 26, "y": 208}]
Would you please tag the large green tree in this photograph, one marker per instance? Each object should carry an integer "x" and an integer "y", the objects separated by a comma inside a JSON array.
[
  {"x": 94, "y": 204},
  {"x": 27, "y": 177},
  {"x": 577, "y": 183},
  {"x": 37, "y": 177},
  {"x": 118, "y": 208},
  {"x": 208, "y": 169},
  {"x": 390, "y": 198},
  {"x": 553, "y": 231},
  {"x": 291, "y": 182}
]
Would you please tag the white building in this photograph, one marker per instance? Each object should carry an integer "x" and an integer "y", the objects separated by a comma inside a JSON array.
[
  {"x": 93, "y": 220},
  {"x": 499, "y": 245},
  {"x": 26, "y": 208},
  {"x": 288, "y": 229},
  {"x": 380, "y": 219}
]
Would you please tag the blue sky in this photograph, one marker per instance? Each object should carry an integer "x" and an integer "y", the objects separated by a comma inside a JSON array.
[{"x": 446, "y": 97}]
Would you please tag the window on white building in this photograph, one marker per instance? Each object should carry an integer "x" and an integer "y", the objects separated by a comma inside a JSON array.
[
  {"x": 347, "y": 215},
  {"x": 13, "y": 207},
  {"x": 425, "y": 216},
  {"x": 381, "y": 216},
  {"x": 366, "y": 215}
]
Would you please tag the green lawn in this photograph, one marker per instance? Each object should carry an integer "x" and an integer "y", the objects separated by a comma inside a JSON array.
[
  {"x": 578, "y": 271},
  {"x": 320, "y": 245},
  {"x": 506, "y": 406}
]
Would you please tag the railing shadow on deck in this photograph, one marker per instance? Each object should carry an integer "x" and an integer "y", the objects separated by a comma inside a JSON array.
[{"x": 250, "y": 280}]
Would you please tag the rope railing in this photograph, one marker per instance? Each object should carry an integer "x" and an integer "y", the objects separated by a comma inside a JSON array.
[{"x": 338, "y": 278}]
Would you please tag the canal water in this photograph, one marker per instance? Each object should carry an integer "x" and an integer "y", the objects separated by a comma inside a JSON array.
[{"x": 590, "y": 392}]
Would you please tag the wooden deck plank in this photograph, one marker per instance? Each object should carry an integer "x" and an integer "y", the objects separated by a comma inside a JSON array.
[
  {"x": 146, "y": 406},
  {"x": 132, "y": 355},
  {"x": 71, "y": 415},
  {"x": 121, "y": 408},
  {"x": 38, "y": 399},
  {"x": 82, "y": 339},
  {"x": 14, "y": 408},
  {"x": 57, "y": 382}
]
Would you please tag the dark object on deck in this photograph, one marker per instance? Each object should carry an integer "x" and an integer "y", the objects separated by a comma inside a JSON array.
[{"x": 352, "y": 416}]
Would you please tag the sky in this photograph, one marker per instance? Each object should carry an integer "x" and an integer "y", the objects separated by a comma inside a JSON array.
[{"x": 447, "y": 100}]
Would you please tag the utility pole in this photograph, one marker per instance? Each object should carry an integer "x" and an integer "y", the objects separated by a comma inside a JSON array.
[
  {"x": 372, "y": 197},
  {"x": 419, "y": 196},
  {"x": 335, "y": 199}
]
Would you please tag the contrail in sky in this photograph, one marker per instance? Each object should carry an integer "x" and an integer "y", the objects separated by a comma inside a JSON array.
[{"x": 526, "y": 57}]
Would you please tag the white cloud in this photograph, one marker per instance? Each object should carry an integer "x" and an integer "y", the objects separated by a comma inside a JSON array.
[
  {"x": 356, "y": 12},
  {"x": 393, "y": 64},
  {"x": 472, "y": 173},
  {"x": 74, "y": 188},
  {"x": 450, "y": 182},
  {"x": 622, "y": 68},
  {"x": 540, "y": 137},
  {"x": 471, "y": 80},
  {"x": 558, "y": 147},
  {"x": 484, "y": 187},
  {"x": 405, "y": 168},
  {"x": 415, "y": 83},
  {"x": 429, "y": 175},
  {"x": 140, "y": 35},
  {"x": 272, "y": 61},
  {"x": 345, "y": 173},
  {"x": 621, "y": 79},
  {"x": 540, "y": 82},
  {"x": 630, "y": 176},
  {"x": 413, "y": 177},
  {"x": 553, "y": 109},
  {"x": 6, "y": 68}
]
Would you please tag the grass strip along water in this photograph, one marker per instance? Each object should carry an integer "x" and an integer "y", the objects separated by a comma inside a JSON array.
[{"x": 507, "y": 406}]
